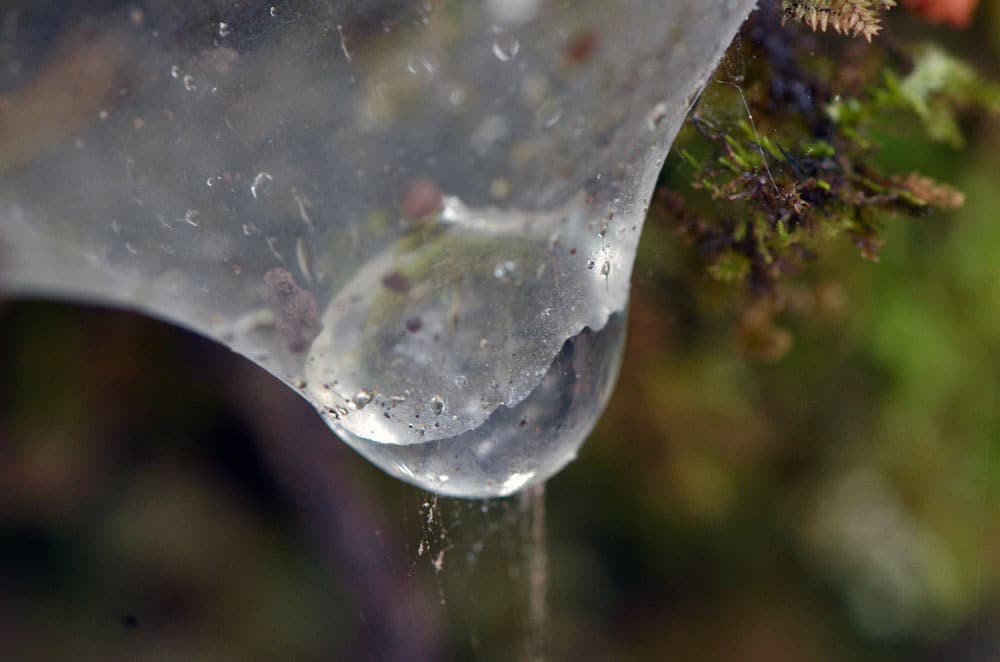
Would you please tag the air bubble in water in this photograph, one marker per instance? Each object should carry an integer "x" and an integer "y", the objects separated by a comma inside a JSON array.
[
  {"x": 362, "y": 398},
  {"x": 506, "y": 47},
  {"x": 550, "y": 112},
  {"x": 260, "y": 184},
  {"x": 224, "y": 29}
]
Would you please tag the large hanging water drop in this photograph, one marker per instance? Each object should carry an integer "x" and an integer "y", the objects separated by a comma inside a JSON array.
[
  {"x": 424, "y": 224},
  {"x": 536, "y": 338}
]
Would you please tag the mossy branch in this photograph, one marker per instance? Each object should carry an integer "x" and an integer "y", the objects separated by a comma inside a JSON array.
[
  {"x": 859, "y": 18},
  {"x": 765, "y": 195}
]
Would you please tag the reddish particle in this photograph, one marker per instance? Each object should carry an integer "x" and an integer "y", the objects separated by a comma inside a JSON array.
[
  {"x": 957, "y": 13},
  {"x": 572, "y": 251},
  {"x": 581, "y": 46},
  {"x": 422, "y": 199},
  {"x": 414, "y": 324},
  {"x": 396, "y": 282},
  {"x": 296, "y": 319}
]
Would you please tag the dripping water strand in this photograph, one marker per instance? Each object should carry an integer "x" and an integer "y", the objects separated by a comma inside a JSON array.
[{"x": 532, "y": 503}]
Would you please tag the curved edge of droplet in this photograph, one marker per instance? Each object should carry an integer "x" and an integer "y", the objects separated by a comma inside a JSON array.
[{"x": 522, "y": 445}]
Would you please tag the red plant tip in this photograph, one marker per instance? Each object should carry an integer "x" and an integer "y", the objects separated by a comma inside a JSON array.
[
  {"x": 957, "y": 13},
  {"x": 421, "y": 199}
]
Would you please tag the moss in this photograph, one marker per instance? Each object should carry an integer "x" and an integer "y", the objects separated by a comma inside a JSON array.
[{"x": 790, "y": 161}]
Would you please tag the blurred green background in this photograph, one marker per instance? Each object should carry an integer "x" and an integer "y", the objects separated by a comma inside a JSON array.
[{"x": 162, "y": 499}]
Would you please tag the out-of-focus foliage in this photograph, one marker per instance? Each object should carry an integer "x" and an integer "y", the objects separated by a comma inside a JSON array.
[
  {"x": 160, "y": 499},
  {"x": 937, "y": 86}
]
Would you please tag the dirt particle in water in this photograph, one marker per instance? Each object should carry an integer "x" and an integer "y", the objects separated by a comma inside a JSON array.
[
  {"x": 421, "y": 199},
  {"x": 396, "y": 282},
  {"x": 296, "y": 316},
  {"x": 580, "y": 47}
]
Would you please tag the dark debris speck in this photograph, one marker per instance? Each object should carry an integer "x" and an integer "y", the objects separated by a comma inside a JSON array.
[{"x": 396, "y": 282}]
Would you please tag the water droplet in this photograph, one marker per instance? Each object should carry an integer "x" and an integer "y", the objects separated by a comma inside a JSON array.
[
  {"x": 224, "y": 29},
  {"x": 261, "y": 182},
  {"x": 189, "y": 83},
  {"x": 362, "y": 398},
  {"x": 175, "y": 71},
  {"x": 191, "y": 217},
  {"x": 506, "y": 47},
  {"x": 273, "y": 11},
  {"x": 483, "y": 359},
  {"x": 606, "y": 269}
]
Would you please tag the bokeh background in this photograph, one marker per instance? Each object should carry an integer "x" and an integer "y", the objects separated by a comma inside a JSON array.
[{"x": 162, "y": 499}]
